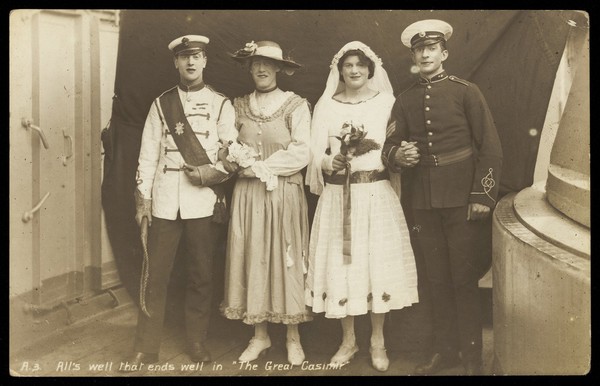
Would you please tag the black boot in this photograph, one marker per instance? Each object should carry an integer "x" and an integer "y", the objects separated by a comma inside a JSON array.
[
  {"x": 198, "y": 353},
  {"x": 435, "y": 363}
]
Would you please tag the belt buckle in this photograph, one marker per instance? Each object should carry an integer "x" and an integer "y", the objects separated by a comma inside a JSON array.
[{"x": 435, "y": 159}]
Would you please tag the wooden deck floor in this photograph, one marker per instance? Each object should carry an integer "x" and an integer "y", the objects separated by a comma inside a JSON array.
[{"x": 99, "y": 345}]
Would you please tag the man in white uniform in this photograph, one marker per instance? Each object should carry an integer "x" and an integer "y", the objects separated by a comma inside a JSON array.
[{"x": 182, "y": 159}]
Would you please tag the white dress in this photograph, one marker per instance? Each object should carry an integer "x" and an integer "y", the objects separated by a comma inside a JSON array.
[{"x": 382, "y": 275}]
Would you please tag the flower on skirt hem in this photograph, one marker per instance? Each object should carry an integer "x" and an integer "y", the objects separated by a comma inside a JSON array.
[
  {"x": 369, "y": 297},
  {"x": 386, "y": 297},
  {"x": 272, "y": 317},
  {"x": 343, "y": 301}
]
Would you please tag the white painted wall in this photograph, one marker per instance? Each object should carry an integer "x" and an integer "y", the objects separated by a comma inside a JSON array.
[{"x": 65, "y": 102}]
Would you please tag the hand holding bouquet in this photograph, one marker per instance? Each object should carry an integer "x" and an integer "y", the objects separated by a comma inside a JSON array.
[
  {"x": 354, "y": 142},
  {"x": 241, "y": 154}
]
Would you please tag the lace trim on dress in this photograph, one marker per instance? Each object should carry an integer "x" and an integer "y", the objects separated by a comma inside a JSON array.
[
  {"x": 272, "y": 317},
  {"x": 263, "y": 172},
  {"x": 258, "y": 117}
]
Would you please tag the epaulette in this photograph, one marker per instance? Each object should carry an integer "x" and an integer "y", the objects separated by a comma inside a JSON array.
[
  {"x": 215, "y": 91},
  {"x": 458, "y": 80}
]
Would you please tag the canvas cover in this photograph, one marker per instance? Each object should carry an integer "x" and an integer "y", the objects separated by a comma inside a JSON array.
[{"x": 511, "y": 55}]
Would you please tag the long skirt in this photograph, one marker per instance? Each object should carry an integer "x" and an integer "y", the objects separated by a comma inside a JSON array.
[
  {"x": 267, "y": 252},
  {"x": 382, "y": 275}
]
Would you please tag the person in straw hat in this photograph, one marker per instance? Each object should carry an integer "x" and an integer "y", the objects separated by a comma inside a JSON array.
[
  {"x": 453, "y": 185},
  {"x": 181, "y": 163},
  {"x": 268, "y": 233}
]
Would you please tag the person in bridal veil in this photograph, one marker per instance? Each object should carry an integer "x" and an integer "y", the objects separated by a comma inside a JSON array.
[{"x": 360, "y": 257}]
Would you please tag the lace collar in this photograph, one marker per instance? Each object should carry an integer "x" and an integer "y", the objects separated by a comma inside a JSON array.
[{"x": 278, "y": 105}]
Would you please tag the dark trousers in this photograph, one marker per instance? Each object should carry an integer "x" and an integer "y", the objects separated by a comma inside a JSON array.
[
  {"x": 163, "y": 240},
  {"x": 452, "y": 251}
]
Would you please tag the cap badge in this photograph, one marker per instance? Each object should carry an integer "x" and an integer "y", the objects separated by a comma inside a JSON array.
[
  {"x": 422, "y": 34},
  {"x": 185, "y": 42}
]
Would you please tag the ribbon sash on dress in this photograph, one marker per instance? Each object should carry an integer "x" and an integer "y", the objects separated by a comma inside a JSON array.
[
  {"x": 347, "y": 222},
  {"x": 358, "y": 177}
]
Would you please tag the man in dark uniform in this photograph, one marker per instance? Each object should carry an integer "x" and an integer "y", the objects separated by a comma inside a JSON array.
[
  {"x": 446, "y": 142},
  {"x": 182, "y": 158}
]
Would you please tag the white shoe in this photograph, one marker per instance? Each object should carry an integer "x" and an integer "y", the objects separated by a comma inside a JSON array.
[
  {"x": 379, "y": 358},
  {"x": 295, "y": 352},
  {"x": 344, "y": 354},
  {"x": 256, "y": 348}
]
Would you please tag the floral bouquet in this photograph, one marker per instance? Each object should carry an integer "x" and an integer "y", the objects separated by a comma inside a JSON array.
[
  {"x": 241, "y": 154},
  {"x": 354, "y": 142}
]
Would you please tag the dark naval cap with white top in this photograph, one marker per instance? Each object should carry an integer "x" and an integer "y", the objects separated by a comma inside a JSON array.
[
  {"x": 426, "y": 32},
  {"x": 188, "y": 44}
]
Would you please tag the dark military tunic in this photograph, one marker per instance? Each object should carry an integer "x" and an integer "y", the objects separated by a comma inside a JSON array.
[
  {"x": 460, "y": 164},
  {"x": 447, "y": 116}
]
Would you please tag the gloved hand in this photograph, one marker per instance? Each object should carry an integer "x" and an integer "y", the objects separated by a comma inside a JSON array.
[
  {"x": 204, "y": 175},
  {"x": 143, "y": 208},
  {"x": 229, "y": 166}
]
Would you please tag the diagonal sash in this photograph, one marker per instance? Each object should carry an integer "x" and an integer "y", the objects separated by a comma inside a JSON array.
[
  {"x": 183, "y": 135},
  {"x": 190, "y": 147}
]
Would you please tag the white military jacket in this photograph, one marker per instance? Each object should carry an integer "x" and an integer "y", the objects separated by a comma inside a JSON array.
[{"x": 159, "y": 177}]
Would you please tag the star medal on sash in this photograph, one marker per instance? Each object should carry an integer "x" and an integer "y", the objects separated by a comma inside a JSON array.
[{"x": 179, "y": 128}]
